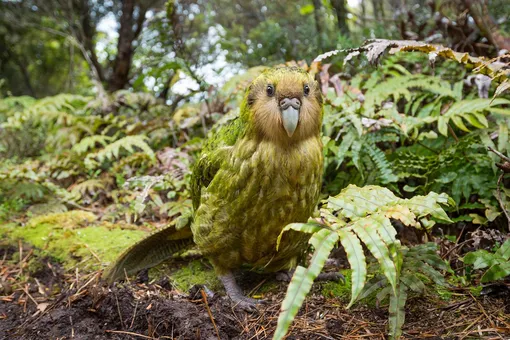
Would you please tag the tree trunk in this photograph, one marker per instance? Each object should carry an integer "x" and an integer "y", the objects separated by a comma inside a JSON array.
[
  {"x": 363, "y": 14},
  {"x": 489, "y": 29},
  {"x": 86, "y": 36},
  {"x": 130, "y": 29},
  {"x": 122, "y": 63},
  {"x": 341, "y": 14},
  {"x": 375, "y": 9},
  {"x": 317, "y": 14}
]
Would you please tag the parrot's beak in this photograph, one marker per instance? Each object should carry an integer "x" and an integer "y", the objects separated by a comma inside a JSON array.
[{"x": 290, "y": 114}]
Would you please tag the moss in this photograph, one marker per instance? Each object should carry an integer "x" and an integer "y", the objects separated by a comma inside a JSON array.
[
  {"x": 339, "y": 289},
  {"x": 195, "y": 273},
  {"x": 5, "y": 229},
  {"x": 476, "y": 291},
  {"x": 68, "y": 219},
  {"x": 443, "y": 293},
  {"x": 70, "y": 239}
]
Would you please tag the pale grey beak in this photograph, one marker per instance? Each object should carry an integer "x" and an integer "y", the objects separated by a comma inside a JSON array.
[
  {"x": 290, "y": 114},
  {"x": 290, "y": 117}
]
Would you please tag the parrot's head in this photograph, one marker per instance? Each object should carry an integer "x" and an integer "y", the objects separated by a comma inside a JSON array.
[{"x": 285, "y": 104}]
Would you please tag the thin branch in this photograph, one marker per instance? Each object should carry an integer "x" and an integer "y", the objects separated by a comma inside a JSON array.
[{"x": 500, "y": 155}]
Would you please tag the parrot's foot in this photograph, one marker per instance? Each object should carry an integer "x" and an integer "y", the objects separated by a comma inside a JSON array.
[
  {"x": 236, "y": 294},
  {"x": 286, "y": 276}
]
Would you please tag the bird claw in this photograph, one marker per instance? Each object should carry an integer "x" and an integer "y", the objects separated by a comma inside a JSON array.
[{"x": 247, "y": 304}]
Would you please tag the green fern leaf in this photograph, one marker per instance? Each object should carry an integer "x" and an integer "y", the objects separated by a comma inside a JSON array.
[
  {"x": 112, "y": 151},
  {"x": 323, "y": 242},
  {"x": 89, "y": 143},
  {"x": 414, "y": 283},
  {"x": 308, "y": 228},
  {"x": 397, "y": 312},
  {"x": 355, "y": 202},
  {"x": 357, "y": 261},
  {"x": 367, "y": 233}
]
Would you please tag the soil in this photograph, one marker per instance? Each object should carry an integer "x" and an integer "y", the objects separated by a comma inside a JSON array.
[{"x": 51, "y": 304}]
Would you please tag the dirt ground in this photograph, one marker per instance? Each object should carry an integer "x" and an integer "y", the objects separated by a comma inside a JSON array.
[{"x": 56, "y": 305}]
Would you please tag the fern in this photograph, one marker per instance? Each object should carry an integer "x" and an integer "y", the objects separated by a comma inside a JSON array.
[
  {"x": 112, "y": 151},
  {"x": 470, "y": 111},
  {"x": 90, "y": 142},
  {"x": 362, "y": 216},
  {"x": 405, "y": 87}
]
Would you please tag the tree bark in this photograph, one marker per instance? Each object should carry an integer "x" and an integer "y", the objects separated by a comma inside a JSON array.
[
  {"x": 341, "y": 14},
  {"x": 317, "y": 11},
  {"x": 489, "y": 29},
  {"x": 363, "y": 14},
  {"x": 86, "y": 36},
  {"x": 130, "y": 29},
  {"x": 375, "y": 9}
]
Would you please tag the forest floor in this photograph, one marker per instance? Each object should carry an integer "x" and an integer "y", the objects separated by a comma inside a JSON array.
[{"x": 56, "y": 304}]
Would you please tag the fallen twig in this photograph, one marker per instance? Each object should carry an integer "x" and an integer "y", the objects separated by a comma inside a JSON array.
[{"x": 204, "y": 298}]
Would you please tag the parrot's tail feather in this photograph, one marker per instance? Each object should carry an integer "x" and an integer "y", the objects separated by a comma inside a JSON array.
[{"x": 149, "y": 252}]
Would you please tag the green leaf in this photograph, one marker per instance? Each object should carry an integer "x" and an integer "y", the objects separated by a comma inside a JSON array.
[
  {"x": 307, "y": 9},
  {"x": 457, "y": 120},
  {"x": 496, "y": 272},
  {"x": 358, "y": 202},
  {"x": 346, "y": 143},
  {"x": 308, "y": 228},
  {"x": 480, "y": 259},
  {"x": 397, "y": 312},
  {"x": 414, "y": 283},
  {"x": 428, "y": 271},
  {"x": 373, "y": 285},
  {"x": 504, "y": 250},
  {"x": 442, "y": 126},
  {"x": 357, "y": 261},
  {"x": 323, "y": 242},
  {"x": 367, "y": 232}
]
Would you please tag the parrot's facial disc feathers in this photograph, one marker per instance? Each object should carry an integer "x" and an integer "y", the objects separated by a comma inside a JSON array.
[{"x": 285, "y": 105}]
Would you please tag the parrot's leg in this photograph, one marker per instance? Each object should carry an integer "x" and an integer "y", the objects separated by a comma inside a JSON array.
[
  {"x": 286, "y": 276},
  {"x": 236, "y": 294}
]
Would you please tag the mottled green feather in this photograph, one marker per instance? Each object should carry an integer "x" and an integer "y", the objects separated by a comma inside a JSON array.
[{"x": 247, "y": 188}]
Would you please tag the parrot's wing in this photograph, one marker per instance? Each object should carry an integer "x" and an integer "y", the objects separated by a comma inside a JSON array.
[{"x": 214, "y": 153}]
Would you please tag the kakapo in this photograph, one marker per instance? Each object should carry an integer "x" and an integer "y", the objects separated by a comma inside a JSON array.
[{"x": 255, "y": 175}]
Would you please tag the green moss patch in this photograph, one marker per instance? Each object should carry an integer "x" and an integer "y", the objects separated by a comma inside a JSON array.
[
  {"x": 339, "y": 289},
  {"x": 72, "y": 239},
  {"x": 193, "y": 273}
]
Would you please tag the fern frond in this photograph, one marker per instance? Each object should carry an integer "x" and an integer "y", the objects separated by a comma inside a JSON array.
[
  {"x": 112, "y": 151},
  {"x": 362, "y": 215},
  {"x": 89, "y": 143}
]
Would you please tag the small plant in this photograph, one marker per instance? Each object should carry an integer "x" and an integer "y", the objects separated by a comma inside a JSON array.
[
  {"x": 497, "y": 262},
  {"x": 363, "y": 216}
]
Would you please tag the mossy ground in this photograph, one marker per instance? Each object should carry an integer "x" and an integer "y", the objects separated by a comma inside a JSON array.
[
  {"x": 341, "y": 290},
  {"x": 74, "y": 238},
  {"x": 193, "y": 273}
]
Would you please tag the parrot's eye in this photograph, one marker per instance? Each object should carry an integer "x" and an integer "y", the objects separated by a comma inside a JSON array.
[
  {"x": 270, "y": 90},
  {"x": 306, "y": 90}
]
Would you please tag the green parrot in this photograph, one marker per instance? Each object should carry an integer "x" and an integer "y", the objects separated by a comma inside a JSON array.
[{"x": 255, "y": 175}]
